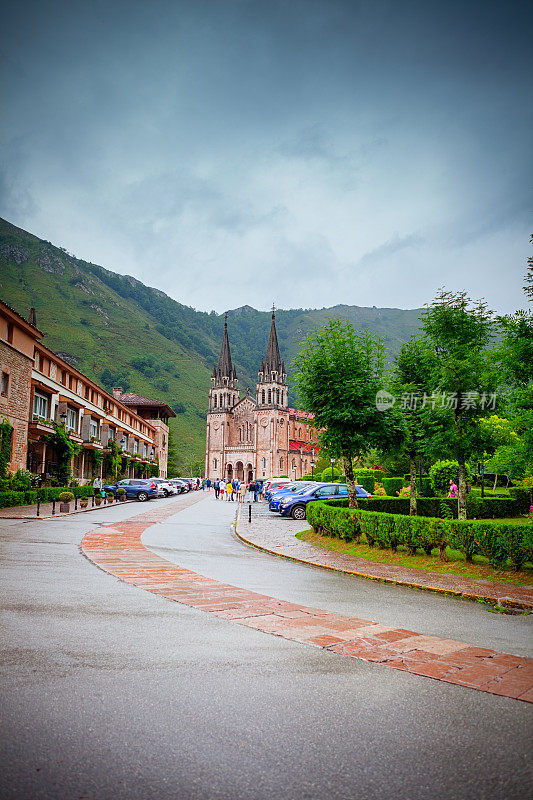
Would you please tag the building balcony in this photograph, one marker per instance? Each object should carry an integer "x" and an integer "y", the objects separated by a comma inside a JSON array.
[
  {"x": 240, "y": 448},
  {"x": 92, "y": 444},
  {"x": 75, "y": 437},
  {"x": 40, "y": 427}
]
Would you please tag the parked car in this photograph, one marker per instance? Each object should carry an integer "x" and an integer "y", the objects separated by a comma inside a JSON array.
[
  {"x": 136, "y": 488},
  {"x": 165, "y": 486},
  {"x": 295, "y": 505},
  {"x": 183, "y": 482},
  {"x": 297, "y": 489},
  {"x": 274, "y": 485},
  {"x": 181, "y": 486}
]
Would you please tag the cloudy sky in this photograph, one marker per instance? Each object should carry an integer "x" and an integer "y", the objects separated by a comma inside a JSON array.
[{"x": 307, "y": 152}]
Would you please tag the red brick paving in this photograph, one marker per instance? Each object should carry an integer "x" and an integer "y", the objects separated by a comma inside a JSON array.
[{"x": 118, "y": 550}]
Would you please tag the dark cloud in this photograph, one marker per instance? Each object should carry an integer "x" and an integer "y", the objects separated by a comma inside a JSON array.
[{"x": 315, "y": 151}]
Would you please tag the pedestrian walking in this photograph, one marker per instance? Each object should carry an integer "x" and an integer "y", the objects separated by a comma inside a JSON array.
[
  {"x": 97, "y": 486},
  {"x": 242, "y": 492},
  {"x": 203, "y": 485},
  {"x": 453, "y": 489},
  {"x": 208, "y": 484},
  {"x": 229, "y": 490},
  {"x": 216, "y": 486}
]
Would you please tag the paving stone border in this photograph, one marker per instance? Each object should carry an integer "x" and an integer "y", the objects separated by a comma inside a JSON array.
[
  {"x": 117, "y": 549},
  {"x": 273, "y": 535}
]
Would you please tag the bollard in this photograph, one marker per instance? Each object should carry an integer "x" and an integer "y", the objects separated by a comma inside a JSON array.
[
  {"x": 92, "y": 504},
  {"x": 76, "y": 503},
  {"x": 249, "y": 512},
  {"x": 38, "y": 503},
  {"x": 53, "y": 506}
]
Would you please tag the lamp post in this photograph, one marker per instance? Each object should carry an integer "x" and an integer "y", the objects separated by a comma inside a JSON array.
[
  {"x": 63, "y": 417},
  {"x": 313, "y": 467}
]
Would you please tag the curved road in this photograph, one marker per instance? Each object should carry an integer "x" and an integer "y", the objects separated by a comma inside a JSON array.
[{"x": 109, "y": 691}]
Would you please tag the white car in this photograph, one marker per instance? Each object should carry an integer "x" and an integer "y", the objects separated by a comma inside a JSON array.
[{"x": 164, "y": 488}]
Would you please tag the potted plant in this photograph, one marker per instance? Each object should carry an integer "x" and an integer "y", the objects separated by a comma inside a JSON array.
[
  {"x": 110, "y": 497},
  {"x": 98, "y": 500},
  {"x": 121, "y": 494},
  {"x": 65, "y": 499},
  {"x": 84, "y": 502}
]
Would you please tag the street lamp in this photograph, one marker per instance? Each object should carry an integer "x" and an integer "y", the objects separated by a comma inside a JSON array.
[
  {"x": 123, "y": 442},
  {"x": 63, "y": 417},
  {"x": 313, "y": 467}
]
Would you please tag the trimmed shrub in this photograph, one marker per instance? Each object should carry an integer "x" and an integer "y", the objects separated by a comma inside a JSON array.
[
  {"x": 442, "y": 472},
  {"x": 367, "y": 482},
  {"x": 66, "y": 497},
  {"x": 392, "y": 485},
  {"x": 499, "y": 542},
  {"x": 331, "y": 475}
]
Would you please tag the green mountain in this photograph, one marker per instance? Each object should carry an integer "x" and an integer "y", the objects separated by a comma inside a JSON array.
[{"x": 122, "y": 333}]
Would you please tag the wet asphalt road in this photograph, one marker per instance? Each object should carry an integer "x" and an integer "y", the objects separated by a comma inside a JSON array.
[{"x": 111, "y": 692}]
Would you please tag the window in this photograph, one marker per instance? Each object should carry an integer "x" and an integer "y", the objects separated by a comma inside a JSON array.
[
  {"x": 71, "y": 419},
  {"x": 264, "y": 463},
  {"x": 269, "y": 396},
  {"x": 5, "y": 384},
  {"x": 215, "y": 463},
  {"x": 135, "y": 447},
  {"x": 325, "y": 491},
  {"x": 93, "y": 429},
  {"x": 281, "y": 464},
  {"x": 40, "y": 406},
  {"x": 215, "y": 401},
  {"x": 9, "y": 333},
  {"x": 144, "y": 449},
  {"x": 263, "y": 393}
]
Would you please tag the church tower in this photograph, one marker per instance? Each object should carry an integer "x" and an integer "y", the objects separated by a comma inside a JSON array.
[
  {"x": 272, "y": 411},
  {"x": 272, "y": 389},
  {"x": 223, "y": 396}
]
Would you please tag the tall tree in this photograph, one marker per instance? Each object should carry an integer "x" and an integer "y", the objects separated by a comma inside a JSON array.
[
  {"x": 459, "y": 331},
  {"x": 339, "y": 373},
  {"x": 415, "y": 364}
]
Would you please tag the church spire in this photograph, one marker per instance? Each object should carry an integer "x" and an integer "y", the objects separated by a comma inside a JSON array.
[
  {"x": 225, "y": 368},
  {"x": 272, "y": 359}
]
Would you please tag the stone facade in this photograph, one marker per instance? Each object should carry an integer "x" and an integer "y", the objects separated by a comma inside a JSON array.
[
  {"x": 256, "y": 437},
  {"x": 16, "y": 362}
]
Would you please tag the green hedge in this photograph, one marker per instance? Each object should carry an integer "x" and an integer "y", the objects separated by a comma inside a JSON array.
[
  {"x": 367, "y": 482},
  {"x": 499, "y": 542},
  {"x": 47, "y": 493},
  {"x": 476, "y": 507},
  {"x": 392, "y": 485},
  {"x": 522, "y": 497}
]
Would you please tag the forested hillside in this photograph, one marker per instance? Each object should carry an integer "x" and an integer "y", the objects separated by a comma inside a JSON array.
[{"x": 121, "y": 332}]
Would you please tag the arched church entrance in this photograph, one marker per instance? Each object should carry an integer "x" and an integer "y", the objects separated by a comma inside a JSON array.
[
  {"x": 239, "y": 471},
  {"x": 229, "y": 470},
  {"x": 250, "y": 471}
]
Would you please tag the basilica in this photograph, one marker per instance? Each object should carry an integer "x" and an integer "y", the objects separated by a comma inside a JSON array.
[{"x": 256, "y": 437}]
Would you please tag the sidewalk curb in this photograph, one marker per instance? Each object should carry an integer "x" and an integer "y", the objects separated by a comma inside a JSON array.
[{"x": 480, "y": 598}]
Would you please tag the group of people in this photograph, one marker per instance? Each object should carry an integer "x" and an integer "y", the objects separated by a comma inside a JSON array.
[{"x": 235, "y": 489}]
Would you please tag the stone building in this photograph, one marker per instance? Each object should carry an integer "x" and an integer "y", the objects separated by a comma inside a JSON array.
[
  {"x": 39, "y": 388},
  {"x": 256, "y": 437}
]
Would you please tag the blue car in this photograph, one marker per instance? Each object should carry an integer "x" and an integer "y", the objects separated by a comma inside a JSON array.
[
  {"x": 295, "y": 506},
  {"x": 136, "y": 488},
  {"x": 288, "y": 492}
]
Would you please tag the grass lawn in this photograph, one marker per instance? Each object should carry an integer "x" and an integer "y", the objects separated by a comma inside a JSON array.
[{"x": 456, "y": 565}]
